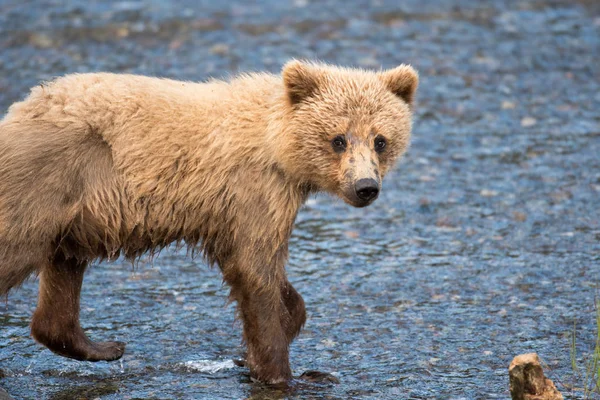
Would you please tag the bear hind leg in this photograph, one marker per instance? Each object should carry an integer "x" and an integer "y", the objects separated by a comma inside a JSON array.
[{"x": 55, "y": 322}]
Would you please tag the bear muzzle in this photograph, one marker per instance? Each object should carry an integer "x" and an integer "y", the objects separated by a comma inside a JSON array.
[
  {"x": 362, "y": 193},
  {"x": 366, "y": 189}
]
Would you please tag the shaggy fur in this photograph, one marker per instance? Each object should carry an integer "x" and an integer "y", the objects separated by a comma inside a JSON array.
[{"x": 94, "y": 166}]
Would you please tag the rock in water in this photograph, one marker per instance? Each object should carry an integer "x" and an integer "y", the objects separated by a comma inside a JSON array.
[
  {"x": 527, "y": 380},
  {"x": 4, "y": 395}
]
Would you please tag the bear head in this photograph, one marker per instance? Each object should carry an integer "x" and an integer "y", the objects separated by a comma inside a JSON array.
[{"x": 346, "y": 127}]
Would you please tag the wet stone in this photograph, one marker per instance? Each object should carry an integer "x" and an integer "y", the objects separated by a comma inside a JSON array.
[{"x": 4, "y": 395}]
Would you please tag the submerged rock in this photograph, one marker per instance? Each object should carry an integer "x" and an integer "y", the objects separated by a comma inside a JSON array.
[
  {"x": 527, "y": 380},
  {"x": 4, "y": 395}
]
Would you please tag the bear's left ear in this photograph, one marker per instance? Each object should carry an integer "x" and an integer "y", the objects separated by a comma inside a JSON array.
[
  {"x": 300, "y": 80},
  {"x": 402, "y": 81}
]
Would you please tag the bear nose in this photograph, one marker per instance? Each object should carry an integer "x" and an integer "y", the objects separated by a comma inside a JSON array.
[{"x": 366, "y": 189}]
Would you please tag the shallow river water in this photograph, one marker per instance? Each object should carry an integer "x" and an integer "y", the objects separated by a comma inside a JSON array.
[{"x": 484, "y": 244}]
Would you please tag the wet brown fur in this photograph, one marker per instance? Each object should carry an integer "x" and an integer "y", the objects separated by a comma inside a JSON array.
[{"x": 95, "y": 166}]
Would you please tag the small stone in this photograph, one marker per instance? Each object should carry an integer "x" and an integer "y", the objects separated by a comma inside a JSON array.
[
  {"x": 175, "y": 44},
  {"x": 4, "y": 395},
  {"x": 206, "y": 24},
  {"x": 319, "y": 377},
  {"x": 488, "y": 193},
  {"x": 220, "y": 49},
  {"x": 527, "y": 380},
  {"x": 508, "y": 105},
  {"x": 528, "y": 122},
  {"x": 519, "y": 216},
  {"x": 41, "y": 41},
  {"x": 351, "y": 234},
  {"x": 122, "y": 32},
  {"x": 445, "y": 222}
]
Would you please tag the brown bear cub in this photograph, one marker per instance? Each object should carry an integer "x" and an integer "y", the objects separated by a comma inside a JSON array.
[{"x": 95, "y": 166}]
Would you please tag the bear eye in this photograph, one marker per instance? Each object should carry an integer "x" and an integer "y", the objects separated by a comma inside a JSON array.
[
  {"x": 339, "y": 143},
  {"x": 380, "y": 144}
]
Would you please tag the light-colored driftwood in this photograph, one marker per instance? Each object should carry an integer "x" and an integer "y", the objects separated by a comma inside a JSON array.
[{"x": 527, "y": 380}]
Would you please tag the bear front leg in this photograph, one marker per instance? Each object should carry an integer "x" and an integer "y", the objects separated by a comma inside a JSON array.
[
  {"x": 55, "y": 322},
  {"x": 292, "y": 317},
  {"x": 266, "y": 339}
]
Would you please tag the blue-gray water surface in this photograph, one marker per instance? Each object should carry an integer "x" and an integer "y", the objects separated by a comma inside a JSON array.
[{"x": 484, "y": 244}]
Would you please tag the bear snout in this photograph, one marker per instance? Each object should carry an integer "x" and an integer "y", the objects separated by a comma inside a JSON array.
[
  {"x": 367, "y": 189},
  {"x": 361, "y": 193}
]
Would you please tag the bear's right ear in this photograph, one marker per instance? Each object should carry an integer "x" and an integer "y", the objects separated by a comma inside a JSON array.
[{"x": 300, "y": 80}]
